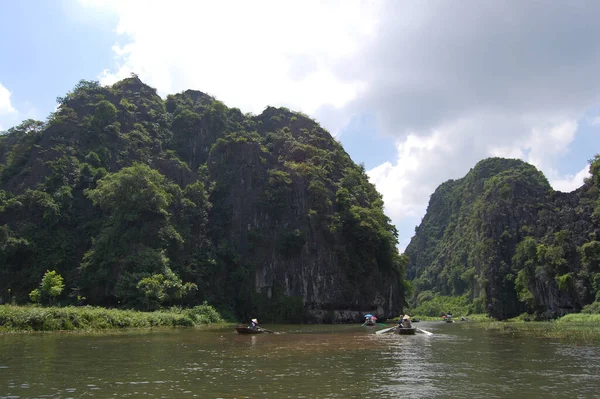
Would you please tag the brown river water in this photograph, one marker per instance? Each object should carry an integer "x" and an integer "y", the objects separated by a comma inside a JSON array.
[{"x": 459, "y": 360}]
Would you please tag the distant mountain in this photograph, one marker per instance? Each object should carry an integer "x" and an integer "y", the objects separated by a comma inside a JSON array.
[
  {"x": 505, "y": 239},
  {"x": 130, "y": 197}
]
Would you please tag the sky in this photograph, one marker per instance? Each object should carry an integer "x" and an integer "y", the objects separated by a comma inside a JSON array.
[{"x": 417, "y": 91}]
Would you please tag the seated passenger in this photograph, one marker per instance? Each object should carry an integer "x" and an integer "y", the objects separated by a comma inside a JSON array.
[{"x": 406, "y": 322}]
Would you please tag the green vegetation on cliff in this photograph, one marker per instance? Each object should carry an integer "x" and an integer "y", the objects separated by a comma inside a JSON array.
[
  {"x": 141, "y": 202},
  {"x": 505, "y": 241}
]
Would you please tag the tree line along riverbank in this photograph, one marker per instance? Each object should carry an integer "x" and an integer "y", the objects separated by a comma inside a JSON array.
[{"x": 37, "y": 318}]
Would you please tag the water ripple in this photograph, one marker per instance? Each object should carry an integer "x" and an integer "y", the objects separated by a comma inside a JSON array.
[{"x": 305, "y": 361}]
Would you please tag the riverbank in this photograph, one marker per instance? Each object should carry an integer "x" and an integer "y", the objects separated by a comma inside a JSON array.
[
  {"x": 35, "y": 318},
  {"x": 576, "y": 328},
  {"x": 472, "y": 317}
]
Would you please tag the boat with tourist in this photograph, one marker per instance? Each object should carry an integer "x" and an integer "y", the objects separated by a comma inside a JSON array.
[
  {"x": 248, "y": 330},
  {"x": 370, "y": 320},
  {"x": 253, "y": 328},
  {"x": 447, "y": 317},
  {"x": 405, "y": 326}
]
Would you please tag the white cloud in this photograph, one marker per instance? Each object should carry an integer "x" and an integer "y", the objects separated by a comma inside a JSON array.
[
  {"x": 404, "y": 184},
  {"x": 7, "y": 111},
  {"x": 595, "y": 121},
  {"x": 5, "y": 103},
  {"x": 449, "y": 152},
  {"x": 549, "y": 142},
  {"x": 247, "y": 54},
  {"x": 571, "y": 182}
]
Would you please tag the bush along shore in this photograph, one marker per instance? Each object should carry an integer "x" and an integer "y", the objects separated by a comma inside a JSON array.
[
  {"x": 576, "y": 328},
  {"x": 36, "y": 318}
]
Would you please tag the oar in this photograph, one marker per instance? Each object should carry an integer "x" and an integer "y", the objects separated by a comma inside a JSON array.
[
  {"x": 381, "y": 324},
  {"x": 423, "y": 331},
  {"x": 267, "y": 331},
  {"x": 384, "y": 330},
  {"x": 362, "y": 325}
]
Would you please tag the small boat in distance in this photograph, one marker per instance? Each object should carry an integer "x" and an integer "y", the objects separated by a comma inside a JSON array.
[
  {"x": 253, "y": 328},
  {"x": 370, "y": 320}
]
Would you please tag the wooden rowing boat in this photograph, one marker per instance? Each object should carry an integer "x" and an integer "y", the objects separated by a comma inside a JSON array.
[
  {"x": 406, "y": 331},
  {"x": 248, "y": 330}
]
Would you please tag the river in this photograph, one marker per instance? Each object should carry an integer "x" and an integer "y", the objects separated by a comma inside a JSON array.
[{"x": 459, "y": 360}]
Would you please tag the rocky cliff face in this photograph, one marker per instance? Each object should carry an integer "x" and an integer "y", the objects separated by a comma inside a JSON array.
[
  {"x": 502, "y": 237},
  {"x": 266, "y": 214}
]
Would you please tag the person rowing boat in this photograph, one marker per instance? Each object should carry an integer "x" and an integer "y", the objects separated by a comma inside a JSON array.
[
  {"x": 405, "y": 322},
  {"x": 370, "y": 320}
]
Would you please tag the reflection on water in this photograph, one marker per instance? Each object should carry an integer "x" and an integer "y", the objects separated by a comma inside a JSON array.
[{"x": 301, "y": 362}]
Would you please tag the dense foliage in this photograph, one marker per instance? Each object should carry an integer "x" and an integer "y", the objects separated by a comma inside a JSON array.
[
  {"x": 439, "y": 305},
  {"x": 142, "y": 202},
  {"x": 504, "y": 240},
  {"x": 51, "y": 286},
  {"x": 34, "y": 318}
]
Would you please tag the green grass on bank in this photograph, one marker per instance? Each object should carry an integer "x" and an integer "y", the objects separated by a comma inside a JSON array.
[
  {"x": 34, "y": 318},
  {"x": 580, "y": 318},
  {"x": 472, "y": 317},
  {"x": 480, "y": 317},
  {"x": 576, "y": 328}
]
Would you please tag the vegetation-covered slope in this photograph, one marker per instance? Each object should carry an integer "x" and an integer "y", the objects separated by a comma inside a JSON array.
[
  {"x": 139, "y": 201},
  {"x": 503, "y": 238}
]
